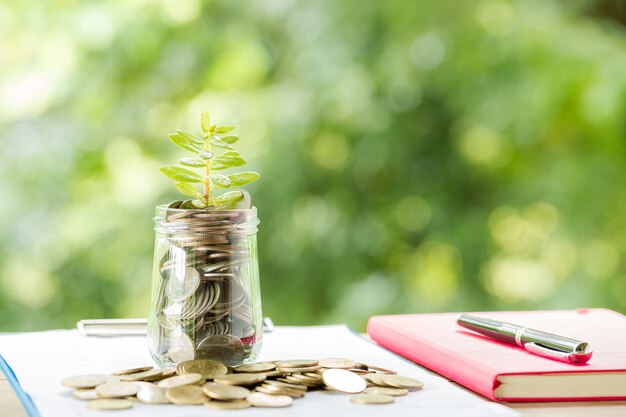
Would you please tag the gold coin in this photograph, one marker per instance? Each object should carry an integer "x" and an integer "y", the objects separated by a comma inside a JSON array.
[
  {"x": 344, "y": 381},
  {"x": 394, "y": 392},
  {"x": 256, "y": 367},
  {"x": 296, "y": 363},
  {"x": 271, "y": 389},
  {"x": 117, "y": 389},
  {"x": 168, "y": 372},
  {"x": 287, "y": 385},
  {"x": 181, "y": 380},
  {"x": 186, "y": 395},
  {"x": 398, "y": 381},
  {"x": 226, "y": 392},
  {"x": 207, "y": 367},
  {"x": 372, "y": 399},
  {"x": 84, "y": 381},
  {"x": 337, "y": 363},
  {"x": 149, "y": 375},
  {"x": 375, "y": 368},
  {"x": 85, "y": 394},
  {"x": 260, "y": 399},
  {"x": 240, "y": 379},
  {"x": 144, "y": 384},
  {"x": 228, "y": 405},
  {"x": 109, "y": 404},
  {"x": 131, "y": 371},
  {"x": 376, "y": 379},
  {"x": 153, "y": 395},
  {"x": 300, "y": 369}
]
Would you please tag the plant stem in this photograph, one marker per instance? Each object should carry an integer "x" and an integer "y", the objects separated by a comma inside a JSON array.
[{"x": 207, "y": 171}]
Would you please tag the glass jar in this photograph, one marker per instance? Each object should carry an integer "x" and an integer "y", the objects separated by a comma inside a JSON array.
[{"x": 206, "y": 301}]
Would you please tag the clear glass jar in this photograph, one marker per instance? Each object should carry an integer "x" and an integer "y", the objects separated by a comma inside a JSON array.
[{"x": 206, "y": 299}]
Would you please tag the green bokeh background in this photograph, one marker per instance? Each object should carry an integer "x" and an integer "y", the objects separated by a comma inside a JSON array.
[{"x": 416, "y": 156}]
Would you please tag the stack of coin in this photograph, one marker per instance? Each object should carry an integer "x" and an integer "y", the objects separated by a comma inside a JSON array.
[
  {"x": 204, "y": 292},
  {"x": 262, "y": 384}
]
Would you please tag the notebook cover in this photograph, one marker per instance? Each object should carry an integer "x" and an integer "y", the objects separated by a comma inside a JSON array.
[
  {"x": 24, "y": 398},
  {"x": 475, "y": 361}
]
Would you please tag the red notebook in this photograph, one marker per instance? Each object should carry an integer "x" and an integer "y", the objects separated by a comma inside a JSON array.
[{"x": 505, "y": 372}]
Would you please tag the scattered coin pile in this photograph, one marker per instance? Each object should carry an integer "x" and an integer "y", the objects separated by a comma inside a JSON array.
[
  {"x": 263, "y": 384},
  {"x": 205, "y": 284}
]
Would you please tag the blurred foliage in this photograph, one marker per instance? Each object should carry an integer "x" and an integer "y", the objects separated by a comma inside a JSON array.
[{"x": 415, "y": 156}]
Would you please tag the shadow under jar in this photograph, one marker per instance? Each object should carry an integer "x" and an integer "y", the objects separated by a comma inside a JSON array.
[{"x": 206, "y": 301}]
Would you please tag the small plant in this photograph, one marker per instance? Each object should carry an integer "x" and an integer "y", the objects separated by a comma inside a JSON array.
[{"x": 205, "y": 144}]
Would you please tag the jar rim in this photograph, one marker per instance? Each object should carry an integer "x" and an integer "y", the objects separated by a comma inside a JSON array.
[{"x": 163, "y": 208}]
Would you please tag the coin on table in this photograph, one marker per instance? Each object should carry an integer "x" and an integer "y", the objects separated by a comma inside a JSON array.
[
  {"x": 132, "y": 371},
  {"x": 372, "y": 399},
  {"x": 299, "y": 369},
  {"x": 337, "y": 363},
  {"x": 84, "y": 381},
  {"x": 240, "y": 379},
  {"x": 259, "y": 399},
  {"x": 109, "y": 404},
  {"x": 153, "y": 395},
  {"x": 206, "y": 367},
  {"x": 287, "y": 385},
  {"x": 296, "y": 363},
  {"x": 394, "y": 392},
  {"x": 398, "y": 381},
  {"x": 179, "y": 287},
  {"x": 117, "y": 389},
  {"x": 256, "y": 367},
  {"x": 344, "y": 381},
  {"x": 226, "y": 392},
  {"x": 376, "y": 379},
  {"x": 186, "y": 395},
  {"x": 149, "y": 375},
  {"x": 181, "y": 380},
  {"x": 85, "y": 394},
  {"x": 228, "y": 405},
  {"x": 168, "y": 372}
]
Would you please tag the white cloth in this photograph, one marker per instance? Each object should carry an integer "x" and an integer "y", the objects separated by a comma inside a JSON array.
[{"x": 41, "y": 359}]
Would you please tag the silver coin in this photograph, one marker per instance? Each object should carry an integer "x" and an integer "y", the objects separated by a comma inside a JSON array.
[
  {"x": 182, "y": 287},
  {"x": 180, "y": 348}
]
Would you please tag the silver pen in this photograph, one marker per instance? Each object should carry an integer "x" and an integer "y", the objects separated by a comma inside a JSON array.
[{"x": 534, "y": 341}]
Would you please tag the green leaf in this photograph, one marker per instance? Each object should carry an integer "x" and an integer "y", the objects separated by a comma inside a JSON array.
[
  {"x": 227, "y": 159},
  {"x": 180, "y": 174},
  {"x": 191, "y": 137},
  {"x": 219, "y": 143},
  {"x": 230, "y": 139},
  {"x": 227, "y": 200},
  {"x": 184, "y": 143},
  {"x": 220, "y": 180},
  {"x": 193, "y": 162},
  {"x": 224, "y": 129},
  {"x": 205, "y": 122},
  {"x": 243, "y": 178},
  {"x": 199, "y": 204},
  {"x": 187, "y": 189},
  {"x": 206, "y": 155}
]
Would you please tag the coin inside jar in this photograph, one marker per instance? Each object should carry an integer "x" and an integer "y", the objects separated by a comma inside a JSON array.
[{"x": 181, "y": 286}]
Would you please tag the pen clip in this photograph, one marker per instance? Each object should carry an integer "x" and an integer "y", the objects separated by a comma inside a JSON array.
[{"x": 569, "y": 357}]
